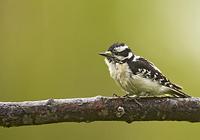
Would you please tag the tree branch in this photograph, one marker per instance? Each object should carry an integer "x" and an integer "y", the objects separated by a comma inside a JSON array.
[{"x": 99, "y": 109}]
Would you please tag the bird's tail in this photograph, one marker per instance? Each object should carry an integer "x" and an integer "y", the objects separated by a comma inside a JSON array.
[{"x": 179, "y": 94}]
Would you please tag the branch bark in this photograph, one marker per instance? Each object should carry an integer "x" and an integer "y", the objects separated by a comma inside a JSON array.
[{"x": 99, "y": 109}]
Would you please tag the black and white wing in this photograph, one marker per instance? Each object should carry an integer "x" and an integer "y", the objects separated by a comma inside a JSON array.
[{"x": 148, "y": 70}]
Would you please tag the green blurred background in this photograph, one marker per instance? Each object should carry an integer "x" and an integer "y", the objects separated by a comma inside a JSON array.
[{"x": 49, "y": 49}]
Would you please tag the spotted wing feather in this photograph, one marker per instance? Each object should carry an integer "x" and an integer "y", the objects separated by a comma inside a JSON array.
[{"x": 149, "y": 70}]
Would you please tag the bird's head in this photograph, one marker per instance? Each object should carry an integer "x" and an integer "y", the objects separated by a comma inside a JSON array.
[{"x": 118, "y": 53}]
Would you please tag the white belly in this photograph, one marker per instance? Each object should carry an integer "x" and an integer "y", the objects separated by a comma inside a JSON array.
[{"x": 146, "y": 87}]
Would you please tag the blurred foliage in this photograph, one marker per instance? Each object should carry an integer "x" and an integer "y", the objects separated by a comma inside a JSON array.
[{"x": 49, "y": 49}]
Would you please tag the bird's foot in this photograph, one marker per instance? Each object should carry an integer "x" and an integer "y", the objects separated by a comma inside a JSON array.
[
  {"x": 115, "y": 95},
  {"x": 137, "y": 102},
  {"x": 127, "y": 96},
  {"x": 134, "y": 98}
]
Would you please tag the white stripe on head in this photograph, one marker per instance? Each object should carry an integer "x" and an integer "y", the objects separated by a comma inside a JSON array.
[
  {"x": 135, "y": 58},
  {"x": 121, "y": 48},
  {"x": 130, "y": 54}
]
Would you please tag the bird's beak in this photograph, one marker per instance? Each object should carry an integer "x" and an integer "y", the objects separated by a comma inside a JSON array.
[{"x": 106, "y": 54}]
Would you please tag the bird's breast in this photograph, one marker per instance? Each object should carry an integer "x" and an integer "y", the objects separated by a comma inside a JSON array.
[
  {"x": 120, "y": 72},
  {"x": 123, "y": 72}
]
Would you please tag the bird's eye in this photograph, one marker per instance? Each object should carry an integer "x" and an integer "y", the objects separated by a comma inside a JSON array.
[
  {"x": 123, "y": 53},
  {"x": 115, "y": 52}
]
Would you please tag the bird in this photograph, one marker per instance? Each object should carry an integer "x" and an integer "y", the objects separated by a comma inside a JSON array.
[{"x": 137, "y": 76}]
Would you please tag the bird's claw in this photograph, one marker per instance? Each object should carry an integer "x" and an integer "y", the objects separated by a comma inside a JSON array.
[
  {"x": 134, "y": 98},
  {"x": 137, "y": 102},
  {"x": 115, "y": 95}
]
